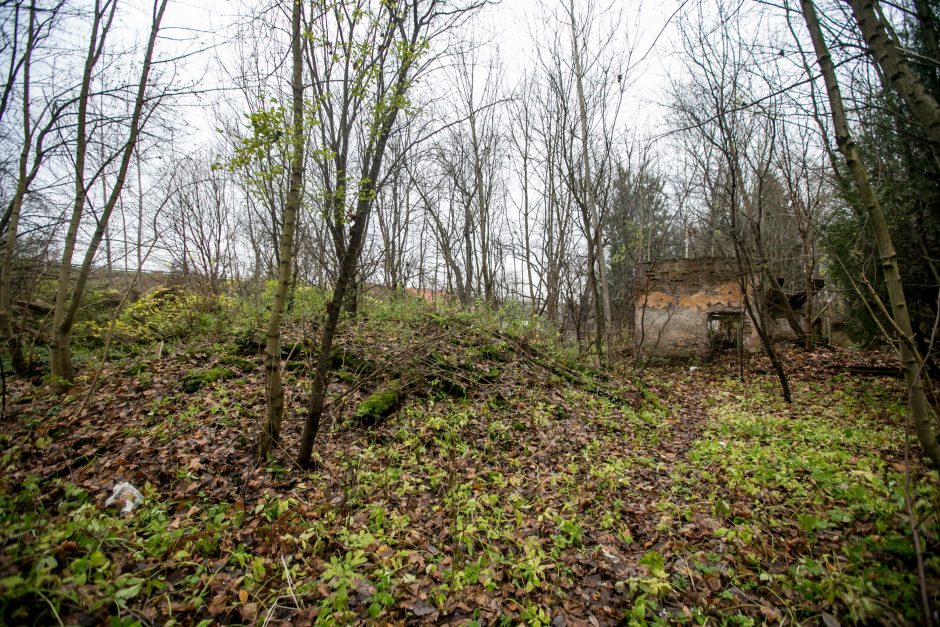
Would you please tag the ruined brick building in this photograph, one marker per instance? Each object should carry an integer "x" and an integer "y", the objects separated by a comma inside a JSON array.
[{"x": 687, "y": 308}]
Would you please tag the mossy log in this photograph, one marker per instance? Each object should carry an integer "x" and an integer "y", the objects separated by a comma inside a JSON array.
[
  {"x": 197, "y": 380},
  {"x": 248, "y": 342},
  {"x": 245, "y": 365},
  {"x": 379, "y": 404},
  {"x": 342, "y": 359}
]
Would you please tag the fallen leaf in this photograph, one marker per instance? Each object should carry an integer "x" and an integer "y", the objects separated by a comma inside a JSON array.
[
  {"x": 830, "y": 620},
  {"x": 218, "y": 604},
  {"x": 249, "y": 611}
]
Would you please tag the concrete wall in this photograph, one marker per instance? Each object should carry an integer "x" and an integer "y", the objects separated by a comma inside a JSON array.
[{"x": 674, "y": 300}]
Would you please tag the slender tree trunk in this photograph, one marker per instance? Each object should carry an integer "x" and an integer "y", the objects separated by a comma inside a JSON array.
[
  {"x": 929, "y": 32},
  {"x": 6, "y": 275},
  {"x": 754, "y": 313},
  {"x": 551, "y": 281},
  {"x": 453, "y": 276},
  {"x": 810, "y": 289},
  {"x": 594, "y": 291},
  {"x": 920, "y": 409},
  {"x": 595, "y": 236},
  {"x": 527, "y": 246},
  {"x": 468, "y": 254},
  {"x": 272, "y": 354},
  {"x": 483, "y": 213},
  {"x": 365, "y": 200},
  {"x": 140, "y": 214},
  {"x": 788, "y": 312},
  {"x": 59, "y": 350}
]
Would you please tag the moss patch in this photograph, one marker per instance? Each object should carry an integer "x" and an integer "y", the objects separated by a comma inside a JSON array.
[
  {"x": 342, "y": 359},
  {"x": 248, "y": 342},
  {"x": 293, "y": 350},
  {"x": 379, "y": 404},
  {"x": 245, "y": 365},
  {"x": 347, "y": 377},
  {"x": 295, "y": 366},
  {"x": 196, "y": 380}
]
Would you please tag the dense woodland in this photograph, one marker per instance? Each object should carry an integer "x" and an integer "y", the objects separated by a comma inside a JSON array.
[{"x": 346, "y": 291}]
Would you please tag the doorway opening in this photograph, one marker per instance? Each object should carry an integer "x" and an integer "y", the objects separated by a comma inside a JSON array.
[{"x": 725, "y": 330}]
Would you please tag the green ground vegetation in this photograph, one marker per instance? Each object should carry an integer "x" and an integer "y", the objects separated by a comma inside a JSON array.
[{"x": 473, "y": 469}]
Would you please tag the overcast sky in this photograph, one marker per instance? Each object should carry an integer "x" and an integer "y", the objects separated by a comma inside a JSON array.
[{"x": 511, "y": 27}]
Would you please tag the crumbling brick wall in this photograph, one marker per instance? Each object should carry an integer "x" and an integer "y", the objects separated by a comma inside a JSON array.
[{"x": 674, "y": 301}]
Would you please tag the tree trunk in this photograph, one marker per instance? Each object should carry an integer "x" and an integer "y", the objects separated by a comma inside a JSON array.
[
  {"x": 886, "y": 53},
  {"x": 272, "y": 354},
  {"x": 920, "y": 410},
  {"x": 810, "y": 288},
  {"x": 929, "y": 32},
  {"x": 468, "y": 253},
  {"x": 375, "y": 154},
  {"x": 595, "y": 236},
  {"x": 765, "y": 339},
  {"x": 483, "y": 210},
  {"x": 552, "y": 258},
  {"x": 6, "y": 275},
  {"x": 594, "y": 290},
  {"x": 527, "y": 246},
  {"x": 59, "y": 349},
  {"x": 784, "y": 303}
]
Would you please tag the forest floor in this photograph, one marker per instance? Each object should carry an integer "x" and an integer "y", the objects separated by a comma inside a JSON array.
[{"x": 511, "y": 484}]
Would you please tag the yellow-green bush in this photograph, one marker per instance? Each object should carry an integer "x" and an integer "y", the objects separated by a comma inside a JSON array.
[{"x": 163, "y": 314}]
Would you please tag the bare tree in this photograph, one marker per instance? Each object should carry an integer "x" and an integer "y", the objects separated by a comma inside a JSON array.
[
  {"x": 66, "y": 305},
  {"x": 384, "y": 61},
  {"x": 522, "y": 137},
  {"x": 735, "y": 148},
  {"x": 470, "y": 158},
  {"x": 6, "y": 277},
  {"x": 588, "y": 197},
  {"x": 556, "y": 223},
  {"x": 396, "y": 216},
  {"x": 37, "y": 126},
  {"x": 808, "y": 191},
  {"x": 200, "y": 229},
  {"x": 272, "y": 353},
  {"x": 436, "y": 192}
]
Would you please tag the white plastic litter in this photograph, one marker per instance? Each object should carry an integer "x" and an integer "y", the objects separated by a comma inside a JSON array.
[{"x": 125, "y": 495}]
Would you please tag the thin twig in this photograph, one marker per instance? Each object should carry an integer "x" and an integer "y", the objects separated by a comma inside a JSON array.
[
  {"x": 290, "y": 584},
  {"x": 51, "y": 607},
  {"x": 3, "y": 392},
  {"x": 915, "y": 534}
]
